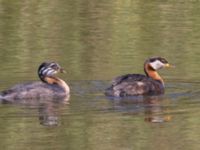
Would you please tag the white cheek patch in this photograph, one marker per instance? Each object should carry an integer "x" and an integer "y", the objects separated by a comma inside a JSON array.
[
  {"x": 156, "y": 65},
  {"x": 45, "y": 71},
  {"x": 51, "y": 72},
  {"x": 41, "y": 70}
]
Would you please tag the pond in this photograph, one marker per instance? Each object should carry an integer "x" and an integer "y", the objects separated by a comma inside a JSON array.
[{"x": 95, "y": 41}]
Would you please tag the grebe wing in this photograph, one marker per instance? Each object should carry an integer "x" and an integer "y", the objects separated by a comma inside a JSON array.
[
  {"x": 37, "y": 86},
  {"x": 32, "y": 90},
  {"x": 128, "y": 78},
  {"x": 133, "y": 84}
]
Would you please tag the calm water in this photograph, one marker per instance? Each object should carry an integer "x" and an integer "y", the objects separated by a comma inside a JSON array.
[{"x": 95, "y": 41}]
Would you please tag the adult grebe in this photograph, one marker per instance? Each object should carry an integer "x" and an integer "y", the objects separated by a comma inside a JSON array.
[
  {"x": 138, "y": 84},
  {"x": 51, "y": 86}
]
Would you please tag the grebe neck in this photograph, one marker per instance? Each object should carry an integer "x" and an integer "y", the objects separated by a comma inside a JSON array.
[
  {"x": 150, "y": 72},
  {"x": 57, "y": 81}
]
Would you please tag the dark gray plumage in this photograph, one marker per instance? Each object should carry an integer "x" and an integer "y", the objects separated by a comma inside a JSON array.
[
  {"x": 33, "y": 90},
  {"x": 134, "y": 84}
]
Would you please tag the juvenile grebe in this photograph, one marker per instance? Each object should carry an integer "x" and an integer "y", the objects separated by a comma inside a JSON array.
[
  {"x": 51, "y": 86},
  {"x": 138, "y": 84}
]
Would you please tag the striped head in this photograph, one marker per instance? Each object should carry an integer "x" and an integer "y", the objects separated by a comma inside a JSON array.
[{"x": 49, "y": 69}]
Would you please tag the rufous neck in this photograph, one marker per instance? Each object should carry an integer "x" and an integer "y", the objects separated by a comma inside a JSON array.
[
  {"x": 150, "y": 72},
  {"x": 58, "y": 81}
]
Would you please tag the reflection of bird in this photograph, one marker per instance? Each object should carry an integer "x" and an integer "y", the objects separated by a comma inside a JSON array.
[
  {"x": 137, "y": 84},
  {"x": 50, "y": 87}
]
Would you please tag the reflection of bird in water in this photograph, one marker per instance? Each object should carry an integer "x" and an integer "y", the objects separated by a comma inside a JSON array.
[
  {"x": 155, "y": 112},
  {"x": 51, "y": 86},
  {"x": 49, "y": 113},
  {"x": 138, "y": 84},
  {"x": 153, "y": 107}
]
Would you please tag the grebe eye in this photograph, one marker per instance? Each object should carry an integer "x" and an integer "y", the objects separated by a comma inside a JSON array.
[
  {"x": 152, "y": 60},
  {"x": 163, "y": 60}
]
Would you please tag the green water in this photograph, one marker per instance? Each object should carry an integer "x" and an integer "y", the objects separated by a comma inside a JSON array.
[{"x": 95, "y": 41}]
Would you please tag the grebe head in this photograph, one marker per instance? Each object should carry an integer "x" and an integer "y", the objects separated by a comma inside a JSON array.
[
  {"x": 49, "y": 69},
  {"x": 156, "y": 63},
  {"x": 153, "y": 64}
]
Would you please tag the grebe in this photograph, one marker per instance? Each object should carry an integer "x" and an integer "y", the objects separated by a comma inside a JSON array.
[
  {"x": 51, "y": 86},
  {"x": 138, "y": 84}
]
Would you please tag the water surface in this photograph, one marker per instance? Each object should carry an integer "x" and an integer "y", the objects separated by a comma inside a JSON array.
[{"x": 95, "y": 41}]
